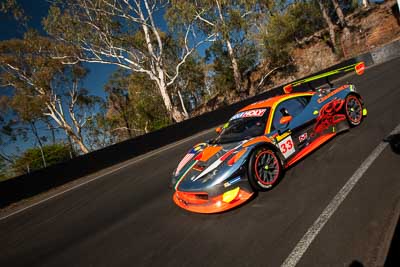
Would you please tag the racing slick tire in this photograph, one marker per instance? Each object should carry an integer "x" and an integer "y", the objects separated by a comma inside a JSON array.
[
  {"x": 353, "y": 109},
  {"x": 264, "y": 169}
]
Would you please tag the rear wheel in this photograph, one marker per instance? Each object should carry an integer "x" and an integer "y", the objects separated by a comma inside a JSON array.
[
  {"x": 264, "y": 169},
  {"x": 354, "y": 110}
]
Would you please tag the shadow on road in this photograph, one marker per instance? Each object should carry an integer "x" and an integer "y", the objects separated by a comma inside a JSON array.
[
  {"x": 356, "y": 263},
  {"x": 394, "y": 141},
  {"x": 393, "y": 258}
]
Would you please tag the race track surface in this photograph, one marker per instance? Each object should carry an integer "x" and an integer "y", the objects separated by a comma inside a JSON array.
[{"x": 127, "y": 218}]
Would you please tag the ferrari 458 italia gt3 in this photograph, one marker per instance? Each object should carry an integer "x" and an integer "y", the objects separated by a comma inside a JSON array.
[{"x": 261, "y": 140}]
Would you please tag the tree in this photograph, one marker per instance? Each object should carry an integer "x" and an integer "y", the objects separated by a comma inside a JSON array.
[
  {"x": 226, "y": 19},
  {"x": 124, "y": 33},
  {"x": 7, "y": 132},
  {"x": 341, "y": 17},
  {"x": 26, "y": 66},
  {"x": 30, "y": 160},
  {"x": 286, "y": 29},
  {"x": 29, "y": 111},
  {"x": 100, "y": 130},
  {"x": 120, "y": 102},
  {"x": 191, "y": 83},
  {"x": 331, "y": 26}
]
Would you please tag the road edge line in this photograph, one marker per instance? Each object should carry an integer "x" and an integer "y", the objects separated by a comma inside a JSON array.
[
  {"x": 124, "y": 165},
  {"x": 312, "y": 232}
]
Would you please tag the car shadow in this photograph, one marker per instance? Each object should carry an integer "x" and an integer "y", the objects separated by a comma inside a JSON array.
[{"x": 394, "y": 142}]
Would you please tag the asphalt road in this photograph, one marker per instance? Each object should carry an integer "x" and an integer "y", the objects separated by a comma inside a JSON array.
[{"x": 127, "y": 218}]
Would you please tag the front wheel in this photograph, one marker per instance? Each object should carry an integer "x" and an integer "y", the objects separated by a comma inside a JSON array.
[
  {"x": 354, "y": 110},
  {"x": 264, "y": 169}
]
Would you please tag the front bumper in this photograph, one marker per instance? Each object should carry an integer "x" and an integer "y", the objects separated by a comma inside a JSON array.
[{"x": 200, "y": 202}]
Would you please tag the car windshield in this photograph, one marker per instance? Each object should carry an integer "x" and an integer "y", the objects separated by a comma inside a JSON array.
[{"x": 244, "y": 125}]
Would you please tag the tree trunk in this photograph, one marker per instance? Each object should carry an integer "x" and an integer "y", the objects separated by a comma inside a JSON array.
[
  {"x": 51, "y": 129},
  {"x": 331, "y": 26},
  {"x": 36, "y": 134},
  {"x": 173, "y": 111},
  {"x": 126, "y": 117},
  {"x": 76, "y": 139},
  {"x": 235, "y": 66},
  {"x": 71, "y": 146},
  {"x": 342, "y": 18},
  {"x": 186, "y": 114}
]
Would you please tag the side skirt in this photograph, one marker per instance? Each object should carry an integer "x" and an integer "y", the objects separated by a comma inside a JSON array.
[{"x": 311, "y": 147}]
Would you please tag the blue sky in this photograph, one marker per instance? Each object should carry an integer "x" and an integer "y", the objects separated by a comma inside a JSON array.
[
  {"x": 95, "y": 80},
  {"x": 98, "y": 74},
  {"x": 37, "y": 10}
]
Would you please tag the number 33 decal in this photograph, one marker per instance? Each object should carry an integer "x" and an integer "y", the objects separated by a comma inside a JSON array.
[{"x": 287, "y": 147}]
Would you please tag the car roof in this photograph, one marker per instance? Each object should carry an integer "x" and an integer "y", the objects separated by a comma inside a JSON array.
[{"x": 268, "y": 103}]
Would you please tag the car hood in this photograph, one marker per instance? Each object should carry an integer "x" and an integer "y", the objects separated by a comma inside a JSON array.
[{"x": 206, "y": 165}]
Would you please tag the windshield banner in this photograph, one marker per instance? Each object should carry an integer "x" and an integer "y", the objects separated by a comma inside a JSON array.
[{"x": 249, "y": 113}]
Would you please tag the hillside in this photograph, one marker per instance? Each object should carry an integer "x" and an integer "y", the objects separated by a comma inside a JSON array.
[{"x": 369, "y": 28}]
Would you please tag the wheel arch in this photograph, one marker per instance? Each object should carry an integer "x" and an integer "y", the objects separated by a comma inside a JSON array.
[
  {"x": 272, "y": 147},
  {"x": 355, "y": 94}
]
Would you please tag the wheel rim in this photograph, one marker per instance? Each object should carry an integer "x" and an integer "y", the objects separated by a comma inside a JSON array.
[
  {"x": 354, "y": 109},
  {"x": 267, "y": 167}
]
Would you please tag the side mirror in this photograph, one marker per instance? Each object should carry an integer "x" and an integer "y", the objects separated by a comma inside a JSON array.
[
  {"x": 218, "y": 130},
  {"x": 285, "y": 120}
]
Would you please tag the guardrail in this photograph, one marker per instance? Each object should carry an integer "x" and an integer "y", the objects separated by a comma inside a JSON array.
[{"x": 28, "y": 185}]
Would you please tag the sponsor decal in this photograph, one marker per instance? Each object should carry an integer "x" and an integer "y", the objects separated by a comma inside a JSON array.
[
  {"x": 249, "y": 113},
  {"x": 334, "y": 92},
  {"x": 329, "y": 116},
  {"x": 231, "y": 182},
  {"x": 303, "y": 137},
  {"x": 287, "y": 146},
  {"x": 282, "y": 136}
]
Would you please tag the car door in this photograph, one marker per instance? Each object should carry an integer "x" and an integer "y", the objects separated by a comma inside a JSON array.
[{"x": 292, "y": 137}]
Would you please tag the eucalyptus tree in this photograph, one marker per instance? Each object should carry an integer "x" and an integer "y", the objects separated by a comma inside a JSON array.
[
  {"x": 29, "y": 112},
  {"x": 226, "y": 19},
  {"x": 42, "y": 82},
  {"x": 341, "y": 17},
  {"x": 126, "y": 33},
  {"x": 331, "y": 26}
]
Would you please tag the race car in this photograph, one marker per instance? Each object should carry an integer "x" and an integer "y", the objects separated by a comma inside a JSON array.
[{"x": 253, "y": 149}]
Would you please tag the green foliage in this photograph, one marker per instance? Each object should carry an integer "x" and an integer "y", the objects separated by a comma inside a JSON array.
[
  {"x": 31, "y": 159},
  {"x": 229, "y": 21},
  {"x": 285, "y": 30},
  {"x": 149, "y": 111},
  {"x": 134, "y": 106},
  {"x": 222, "y": 74}
]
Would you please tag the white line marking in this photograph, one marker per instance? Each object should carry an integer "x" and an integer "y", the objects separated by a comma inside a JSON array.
[
  {"x": 135, "y": 160},
  {"x": 313, "y": 231}
]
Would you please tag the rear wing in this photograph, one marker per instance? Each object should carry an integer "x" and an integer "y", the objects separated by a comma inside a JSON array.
[{"x": 357, "y": 67}]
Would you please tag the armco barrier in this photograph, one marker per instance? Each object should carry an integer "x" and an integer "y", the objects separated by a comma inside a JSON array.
[{"x": 42, "y": 180}]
